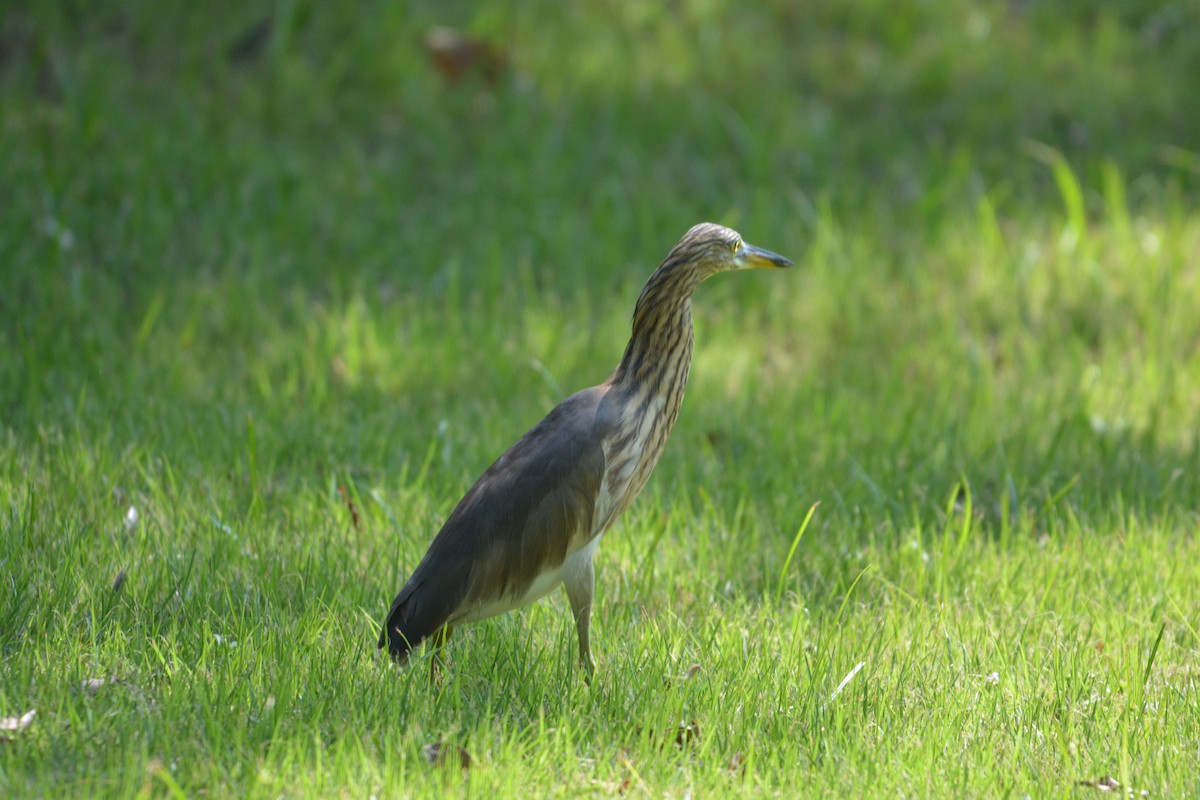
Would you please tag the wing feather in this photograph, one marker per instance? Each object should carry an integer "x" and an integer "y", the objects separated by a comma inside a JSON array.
[{"x": 524, "y": 515}]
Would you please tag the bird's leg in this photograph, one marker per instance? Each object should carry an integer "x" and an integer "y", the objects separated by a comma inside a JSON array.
[
  {"x": 579, "y": 592},
  {"x": 436, "y": 662}
]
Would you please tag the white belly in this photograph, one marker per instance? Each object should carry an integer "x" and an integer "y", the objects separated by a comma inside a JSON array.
[{"x": 542, "y": 585}]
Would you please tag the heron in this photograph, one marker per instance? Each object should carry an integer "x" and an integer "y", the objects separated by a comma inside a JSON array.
[{"x": 534, "y": 518}]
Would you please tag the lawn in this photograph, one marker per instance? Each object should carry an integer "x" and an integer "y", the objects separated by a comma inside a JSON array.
[{"x": 276, "y": 285}]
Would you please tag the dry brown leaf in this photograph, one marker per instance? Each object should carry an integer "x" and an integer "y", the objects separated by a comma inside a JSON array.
[
  {"x": 688, "y": 733},
  {"x": 1108, "y": 783},
  {"x": 454, "y": 54},
  {"x": 439, "y": 754},
  {"x": 350, "y": 505},
  {"x": 692, "y": 671},
  {"x": 630, "y": 774}
]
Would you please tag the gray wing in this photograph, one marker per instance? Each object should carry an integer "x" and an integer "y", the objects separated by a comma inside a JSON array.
[{"x": 518, "y": 520}]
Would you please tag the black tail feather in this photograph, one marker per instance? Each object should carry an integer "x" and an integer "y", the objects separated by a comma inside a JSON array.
[
  {"x": 399, "y": 643},
  {"x": 434, "y": 593},
  {"x": 414, "y": 617}
]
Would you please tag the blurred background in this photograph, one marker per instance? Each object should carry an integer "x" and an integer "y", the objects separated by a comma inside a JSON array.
[{"x": 354, "y": 234}]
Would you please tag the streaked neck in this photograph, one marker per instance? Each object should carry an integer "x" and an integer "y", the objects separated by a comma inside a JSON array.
[{"x": 659, "y": 353}]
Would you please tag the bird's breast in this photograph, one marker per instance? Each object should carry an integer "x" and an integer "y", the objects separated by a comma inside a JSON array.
[{"x": 630, "y": 454}]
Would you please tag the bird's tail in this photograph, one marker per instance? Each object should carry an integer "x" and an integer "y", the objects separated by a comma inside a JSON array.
[
  {"x": 415, "y": 616},
  {"x": 399, "y": 644},
  {"x": 421, "y": 610}
]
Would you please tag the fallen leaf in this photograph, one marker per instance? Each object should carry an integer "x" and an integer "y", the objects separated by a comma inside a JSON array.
[
  {"x": 16, "y": 724},
  {"x": 631, "y": 773},
  {"x": 1108, "y": 783},
  {"x": 688, "y": 733},
  {"x": 737, "y": 764},
  {"x": 350, "y": 505},
  {"x": 692, "y": 671},
  {"x": 455, "y": 54},
  {"x": 439, "y": 754}
]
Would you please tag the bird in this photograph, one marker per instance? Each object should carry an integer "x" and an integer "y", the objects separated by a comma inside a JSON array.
[{"x": 534, "y": 518}]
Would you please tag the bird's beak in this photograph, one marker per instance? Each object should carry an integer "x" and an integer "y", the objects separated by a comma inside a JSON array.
[{"x": 751, "y": 257}]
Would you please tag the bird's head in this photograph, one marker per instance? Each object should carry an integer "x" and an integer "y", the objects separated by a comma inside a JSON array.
[
  {"x": 665, "y": 302},
  {"x": 709, "y": 248},
  {"x": 703, "y": 251}
]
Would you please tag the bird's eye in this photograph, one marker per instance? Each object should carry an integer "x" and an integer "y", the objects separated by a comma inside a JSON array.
[{"x": 737, "y": 245}]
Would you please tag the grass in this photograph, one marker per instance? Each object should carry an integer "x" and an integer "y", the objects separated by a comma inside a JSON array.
[{"x": 263, "y": 318}]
